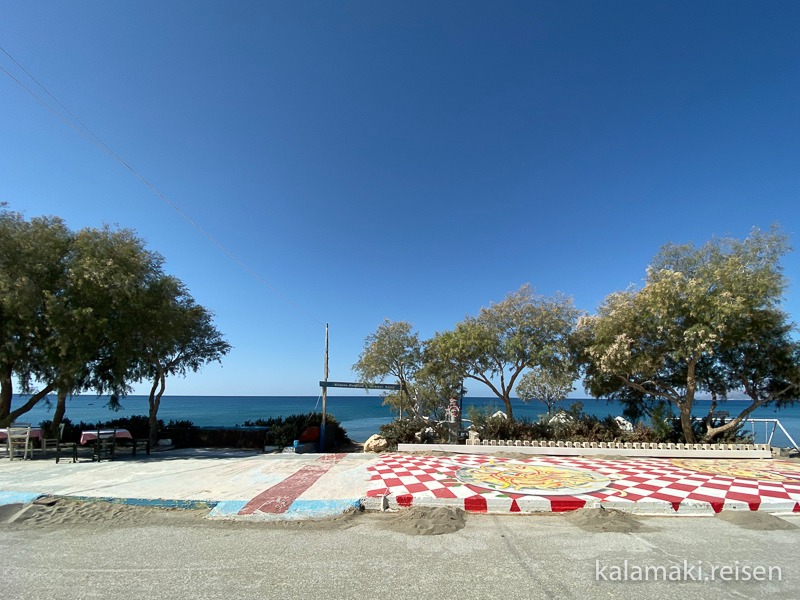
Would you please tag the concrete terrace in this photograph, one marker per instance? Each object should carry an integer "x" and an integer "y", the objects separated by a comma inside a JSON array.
[{"x": 246, "y": 485}]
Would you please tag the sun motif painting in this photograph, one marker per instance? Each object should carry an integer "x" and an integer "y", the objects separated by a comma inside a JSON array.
[
  {"x": 760, "y": 470},
  {"x": 532, "y": 478}
]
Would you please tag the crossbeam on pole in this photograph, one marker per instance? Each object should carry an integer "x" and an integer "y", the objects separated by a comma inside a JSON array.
[{"x": 358, "y": 385}]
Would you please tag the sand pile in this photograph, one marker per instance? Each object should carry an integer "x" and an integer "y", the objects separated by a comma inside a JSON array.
[
  {"x": 62, "y": 511},
  {"x": 423, "y": 520},
  {"x": 604, "y": 519},
  {"x": 755, "y": 520}
]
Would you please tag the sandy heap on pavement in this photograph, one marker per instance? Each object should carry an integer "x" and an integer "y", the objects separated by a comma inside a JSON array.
[
  {"x": 759, "y": 521},
  {"x": 424, "y": 520},
  {"x": 63, "y": 511},
  {"x": 56, "y": 513},
  {"x": 604, "y": 520}
]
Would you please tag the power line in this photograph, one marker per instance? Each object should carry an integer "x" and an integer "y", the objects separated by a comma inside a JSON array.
[{"x": 87, "y": 133}]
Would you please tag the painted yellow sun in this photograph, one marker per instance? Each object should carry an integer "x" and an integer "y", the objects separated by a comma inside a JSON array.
[
  {"x": 529, "y": 478},
  {"x": 760, "y": 470}
]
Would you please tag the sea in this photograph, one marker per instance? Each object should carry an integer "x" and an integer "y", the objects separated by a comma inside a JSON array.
[{"x": 361, "y": 416}]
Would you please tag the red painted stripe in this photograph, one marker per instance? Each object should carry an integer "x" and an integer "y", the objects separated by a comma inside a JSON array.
[
  {"x": 475, "y": 504},
  {"x": 279, "y": 497},
  {"x": 566, "y": 504}
]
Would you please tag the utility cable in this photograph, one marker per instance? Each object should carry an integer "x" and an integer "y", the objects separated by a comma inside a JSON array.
[{"x": 95, "y": 139}]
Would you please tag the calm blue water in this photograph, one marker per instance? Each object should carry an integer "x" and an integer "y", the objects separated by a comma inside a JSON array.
[{"x": 360, "y": 415}]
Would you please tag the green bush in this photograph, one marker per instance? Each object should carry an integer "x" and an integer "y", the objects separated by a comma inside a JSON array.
[
  {"x": 72, "y": 433},
  {"x": 414, "y": 431},
  {"x": 183, "y": 433},
  {"x": 138, "y": 425},
  {"x": 283, "y": 431},
  {"x": 574, "y": 425}
]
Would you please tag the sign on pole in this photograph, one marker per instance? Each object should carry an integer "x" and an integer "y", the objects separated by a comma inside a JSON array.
[{"x": 355, "y": 384}]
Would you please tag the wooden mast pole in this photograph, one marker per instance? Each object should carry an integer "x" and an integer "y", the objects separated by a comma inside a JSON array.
[{"x": 324, "y": 396}]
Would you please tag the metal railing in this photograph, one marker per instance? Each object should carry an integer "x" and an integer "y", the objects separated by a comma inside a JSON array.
[
  {"x": 769, "y": 433},
  {"x": 755, "y": 428}
]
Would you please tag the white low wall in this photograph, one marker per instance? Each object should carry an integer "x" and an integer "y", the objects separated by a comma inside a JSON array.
[{"x": 601, "y": 449}]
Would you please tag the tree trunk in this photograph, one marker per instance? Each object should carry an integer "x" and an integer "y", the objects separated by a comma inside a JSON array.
[
  {"x": 32, "y": 401},
  {"x": 686, "y": 424},
  {"x": 6, "y": 392},
  {"x": 58, "y": 414},
  {"x": 504, "y": 395},
  {"x": 409, "y": 403},
  {"x": 507, "y": 401},
  {"x": 713, "y": 432},
  {"x": 685, "y": 405},
  {"x": 155, "y": 401}
]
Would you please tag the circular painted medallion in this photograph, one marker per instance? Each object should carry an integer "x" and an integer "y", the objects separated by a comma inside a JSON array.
[
  {"x": 532, "y": 478},
  {"x": 760, "y": 470}
]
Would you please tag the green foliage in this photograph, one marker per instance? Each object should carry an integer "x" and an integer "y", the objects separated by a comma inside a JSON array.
[
  {"x": 577, "y": 426},
  {"x": 523, "y": 331},
  {"x": 283, "y": 431},
  {"x": 414, "y": 431},
  {"x": 547, "y": 385},
  {"x": 433, "y": 388},
  {"x": 392, "y": 351},
  {"x": 706, "y": 320},
  {"x": 91, "y": 310},
  {"x": 182, "y": 432},
  {"x": 663, "y": 422},
  {"x": 498, "y": 427},
  {"x": 138, "y": 425},
  {"x": 574, "y": 425}
]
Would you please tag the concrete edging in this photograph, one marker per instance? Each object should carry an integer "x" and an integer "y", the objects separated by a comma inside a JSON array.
[
  {"x": 552, "y": 505},
  {"x": 757, "y": 451}
]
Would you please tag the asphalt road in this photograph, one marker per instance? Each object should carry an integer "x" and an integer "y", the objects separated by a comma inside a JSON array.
[{"x": 359, "y": 557}]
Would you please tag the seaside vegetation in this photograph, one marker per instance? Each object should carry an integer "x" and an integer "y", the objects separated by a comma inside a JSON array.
[
  {"x": 92, "y": 310},
  {"x": 280, "y": 432},
  {"x": 570, "y": 425},
  {"x": 706, "y": 321},
  {"x": 283, "y": 431}
]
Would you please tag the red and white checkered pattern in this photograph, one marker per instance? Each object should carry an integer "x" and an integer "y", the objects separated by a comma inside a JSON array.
[{"x": 638, "y": 485}]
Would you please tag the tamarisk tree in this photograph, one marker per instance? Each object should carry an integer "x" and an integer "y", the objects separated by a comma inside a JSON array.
[
  {"x": 91, "y": 311},
  {"x": 392, "y": 351},
  {"x": 523, "y": 331},
  {"x": 707, "y": 320}
]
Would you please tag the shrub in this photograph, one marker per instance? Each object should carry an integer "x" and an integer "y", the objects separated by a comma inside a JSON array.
[
  {"x": 183, "y": 433},
  {"x": 283, "y": 431},
  {"x": 72, "y": 433},
  {"x": 574, "y": 425},
  {"x": 577, "y": 426},
  {"x": 414, "y": 431},
  {"x": 490, "y": 427},
  {"x": 138, "y": 425}
]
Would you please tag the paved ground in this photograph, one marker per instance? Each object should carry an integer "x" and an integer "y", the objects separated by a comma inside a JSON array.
[
  {"x": 492, "y": 556},
  {"x": 482, "y": 483},
  {"x": 247, "y": 485}
]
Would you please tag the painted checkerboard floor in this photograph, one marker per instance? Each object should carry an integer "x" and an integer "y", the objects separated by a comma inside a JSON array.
[{"x": 637, "y": 485}]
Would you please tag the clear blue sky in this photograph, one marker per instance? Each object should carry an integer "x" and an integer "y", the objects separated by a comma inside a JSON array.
[{"x": 404, "y": 160}]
